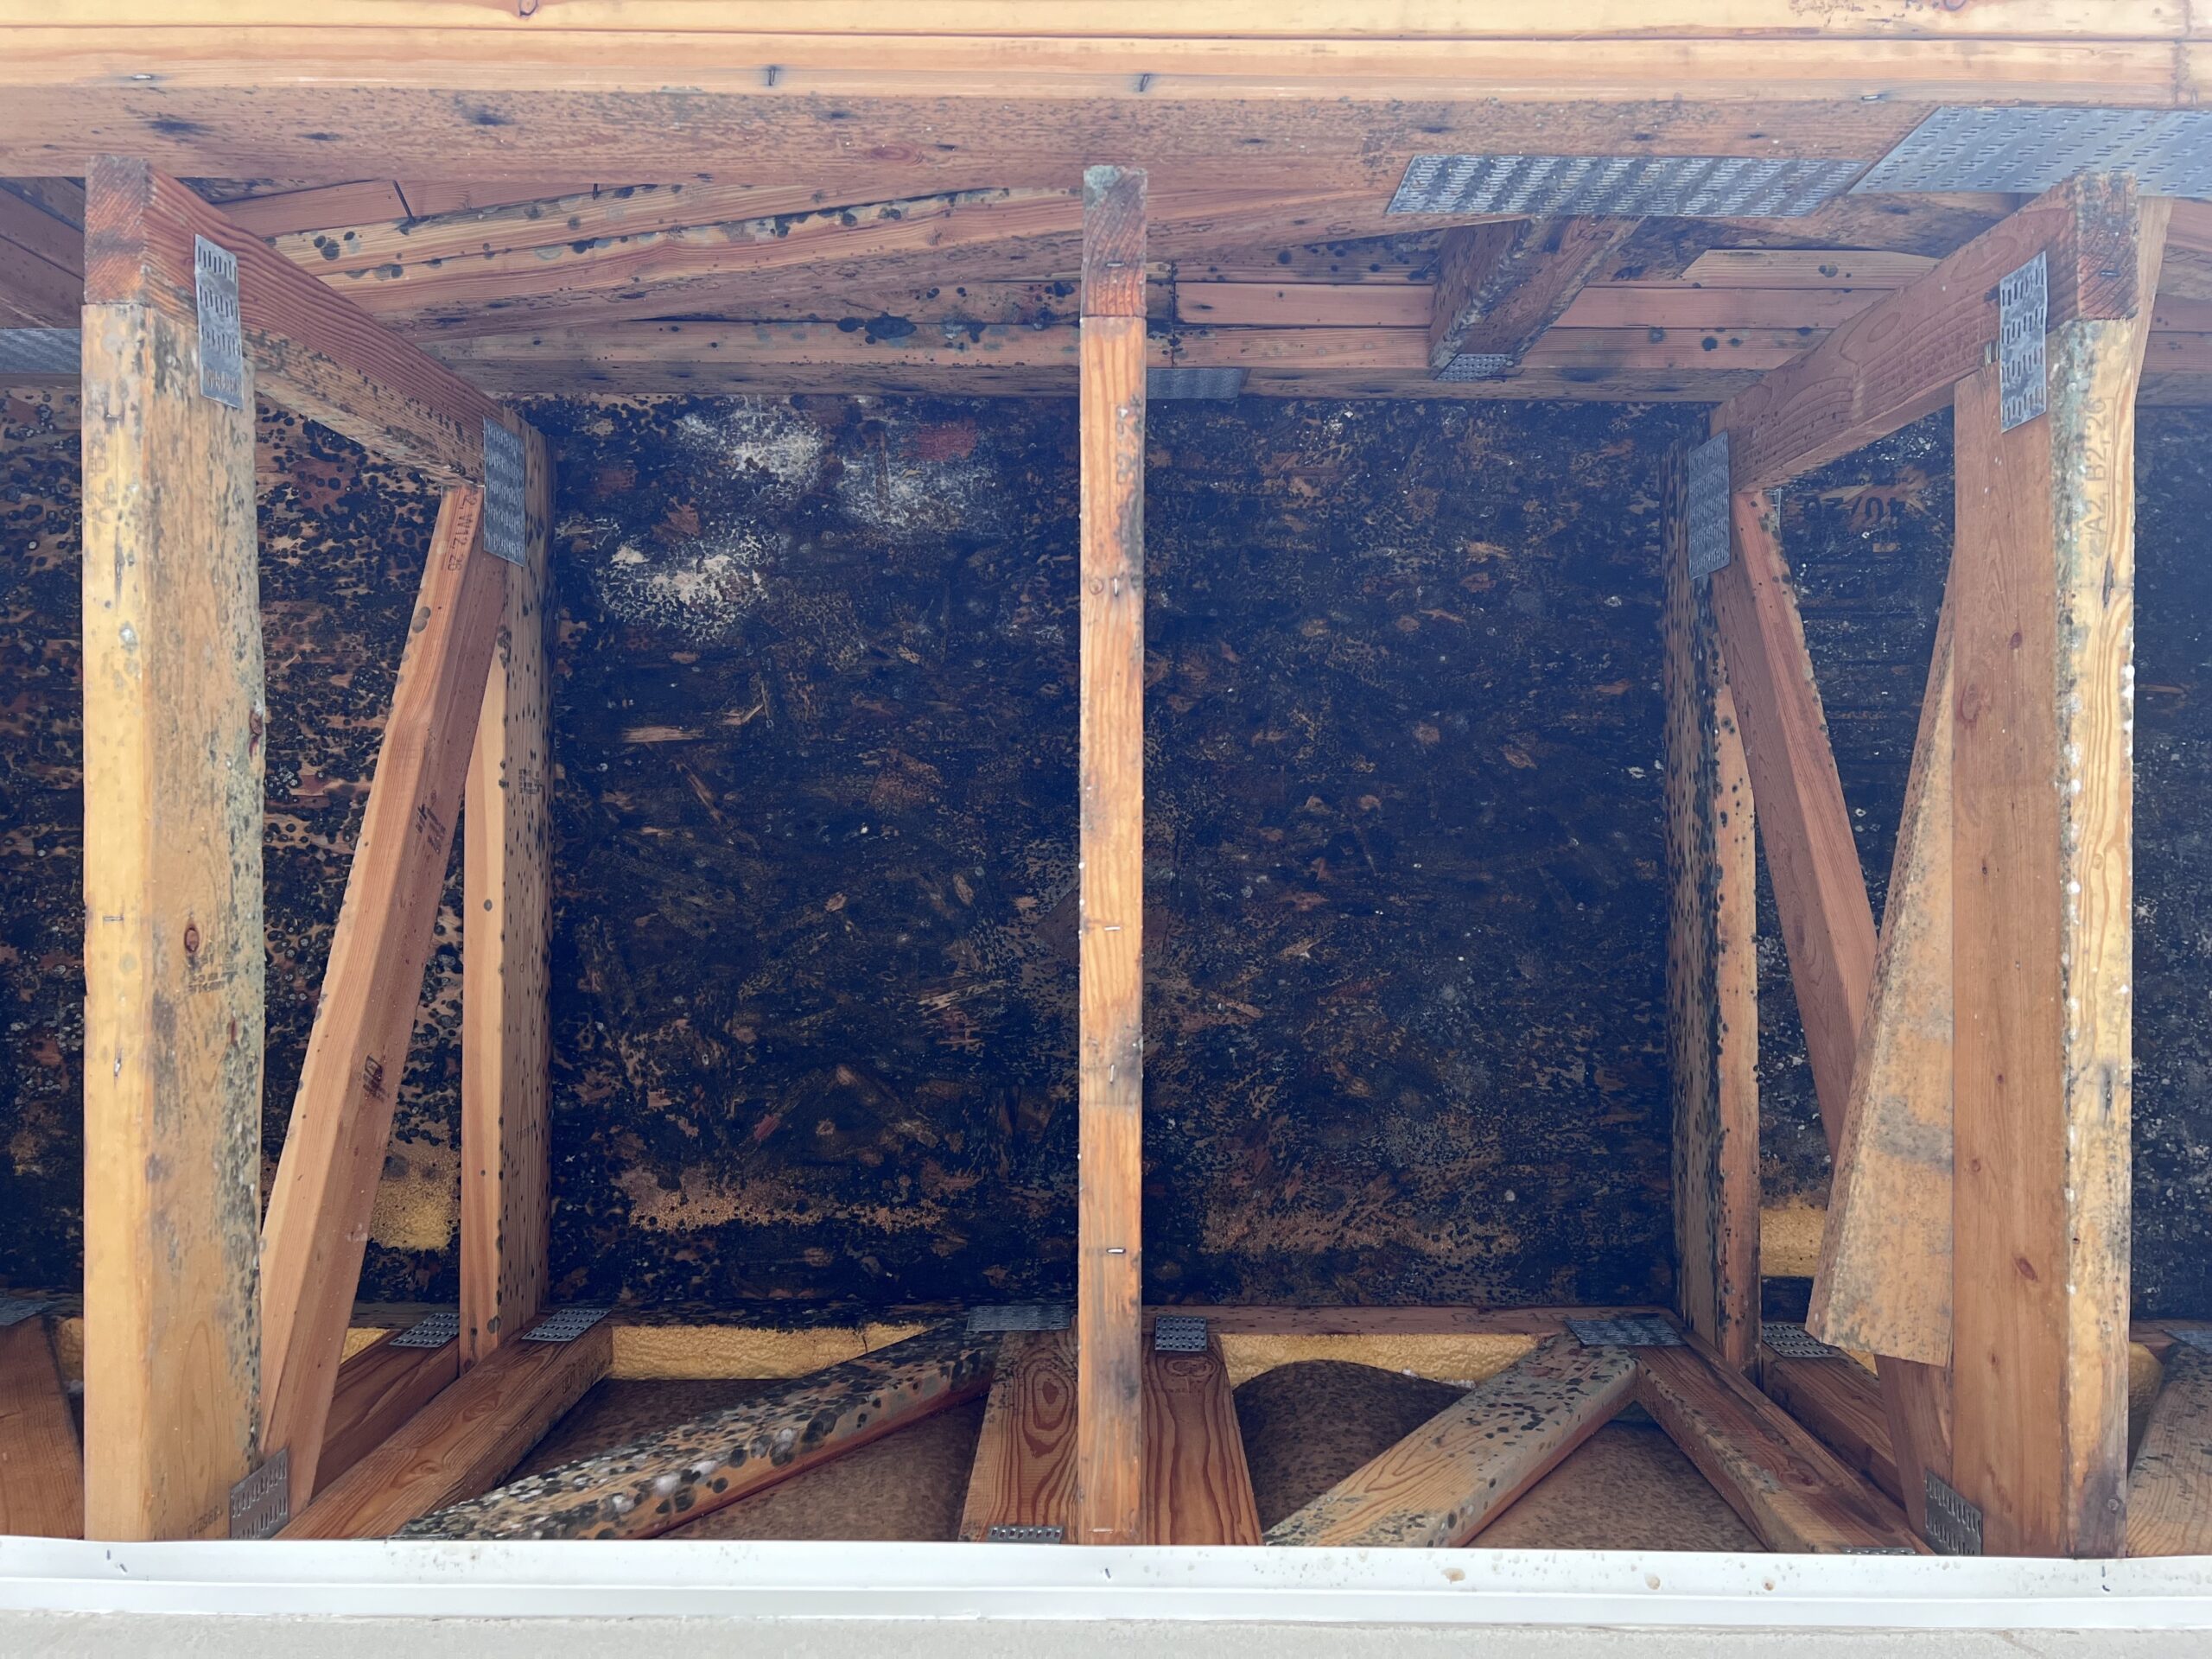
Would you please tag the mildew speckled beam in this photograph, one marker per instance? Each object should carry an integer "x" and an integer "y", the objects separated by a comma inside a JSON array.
[
  {"x": 652, "y": 1485},
  {"x": 312, "y": 349},
  {"x": 1460, "y": 1471}
]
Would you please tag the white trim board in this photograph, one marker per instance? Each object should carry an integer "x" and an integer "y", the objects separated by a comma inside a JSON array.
[{"x": 1014, "y": 1581}]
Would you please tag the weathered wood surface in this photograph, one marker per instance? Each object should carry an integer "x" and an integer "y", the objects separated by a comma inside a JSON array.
[
  {"x": 507, "y": 899},
  {"x": 658, "y": 1482},
  {"x": 1197, "y": 1487},
  {"x": 378, "y": 1389},
  {"x": 1441, "y": 1485},
  {"x": 1790, "y": 1490},
  {"x": 1499, "y": 286},
  {"x": 1713, "y": 1012},
  {"x": 41, "y": 1468},
  {"x": 1883, "y": 1283},
  {"x": 1841, "y": 1401},
  {"x": 1024, "y": 1472},
  {"x": 41, "y": 267},
  {"x": 321, "y": 1202},
  {"x": 2043, "y": 899},
  {"x": 2169, "y": 1483},
  {"x": 469, "y": 1435},
  {"x": 174, "y": 718}
]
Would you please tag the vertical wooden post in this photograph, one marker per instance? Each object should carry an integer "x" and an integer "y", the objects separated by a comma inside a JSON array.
[
  {"x": 1109, "y": 1262},
  {"x": 173, "y": 722},
  {"x": 1712, "y": 972},
  {"x": 2043, "y": 575},
  {"x": 506, "y": 904}
]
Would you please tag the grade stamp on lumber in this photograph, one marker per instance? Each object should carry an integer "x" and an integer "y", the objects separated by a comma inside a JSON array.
[
  {"x": 1449, "y": 1478},
  {"x": 654, "y": 1484}
]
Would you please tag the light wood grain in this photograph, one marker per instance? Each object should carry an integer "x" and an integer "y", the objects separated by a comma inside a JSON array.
[
  {"x": 1110, "y": 1212},
  {"x": 1024, "y": 1473},
  {"x": 1197, "y": 1488},
  {"x": 2170, "y": 1485},
  {"x": 1840, "y": 1402},
  {"x": 1499, "y": 286},
  {"x": 41, "y": 267},
  {"x": 378, "y": 1389},
  {"x": 42, "y": 1469},
  {"x": 174, "y": 722},
  {"x": 506, "y": 927},
  {"x": 1712, "y": 969},
  {"x": 467, "y": 1437},
  {"x": 1789, "y": 1489},
  {"x": 1441, "y": 1485},
  {"x": 317, "y": 1225}
]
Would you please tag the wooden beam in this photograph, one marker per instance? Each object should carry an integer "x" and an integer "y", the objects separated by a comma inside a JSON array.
[
  {"x": 506, "y": 928},
  {"x": 312, "y": 351},
  {"x": 1712, "y": 969},
  {"x": 42, "y": 1469},
  {"x": 1898, "y": 360},
  {"x": 652, "y": 1485},
  {"x": 378, "y": 1389},
  {"x": 469, "y": 1435},
  {"x": 1109, "y": 1207},
  {"x": 2042, "y": 783},
  {"x": 1498, "y": 286},
  {"x": 1883, "y": 1282},
  {"x": 42, "y": 266},
  {"x": 174, "y": 951},
  {"x": 1840, "y": 1402},
  {"x": 1439, "y": 1486},
  {"x": 1024, "y": 1472},
  {"x": 1786, "y": 1485},
  {"x": 1197, "y": 1487},
  {"x": 295, "y": 213},
  {"x": 2170, "y": 1485},
  {"x": 318, "y": 1221}
]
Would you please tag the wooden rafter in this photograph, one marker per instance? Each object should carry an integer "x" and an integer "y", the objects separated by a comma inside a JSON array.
[
  {"x": 318, "y": 1220},
  {"x": 506, "y": 927},
  {"x": 380, "y": 1388},
  {"x": 42, "y": 1469},
  {"x": 469, "y": 1435},
  {"x": 42, "y": 265},
  {"x": 1109, "y": 1206},
  {"x": 1441, "y": 1485},
  {"x": 654, "y": 1485},
  {"x": 312, "y": 351},
  {"x": 1840, "y": 1402},
  {"x": 174, "y": 727},
  {"x": 2169, "y": 1483},
  {"x": 1024, "y": 1472},
  {"x": 1500, "y": 286},
  {"x": 1198, "y": 1489}
]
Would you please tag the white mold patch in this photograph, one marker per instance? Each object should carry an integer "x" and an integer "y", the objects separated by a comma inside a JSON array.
[
  {"x": 910, "y": 480},
  {"x": 699, "y": 590},
  {"x": 759, "y": 441}
]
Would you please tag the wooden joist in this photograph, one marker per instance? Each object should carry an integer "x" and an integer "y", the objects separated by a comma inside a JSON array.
[
  {"x": 1899, "y": 360},
  {"x": 507, "y": 926},
  {"x": 1198, "y": 1489},
  {"x": 1444, "y": 1483},
  {"x": 1499, "y": 286},
  {"x": 1024, "y": 1472},
  {"x": 1883, "y": 1283},
  {"x": 312, "y": 351},
  {"x": 317, "y": 1224},
  {"x": 651, "y": 1485},
  {"x": 2043, "y": 577},
  {"x": 378, "y": 1389},
  {"x": 173, "y": 726},
  {"x": 1840, "y": 1402},
  {"x": 1788, "y": 1488},
  {"x": 1109, "y": 1207},
  {"x": 469, "y": 1435},
  {"x": 42, "y": 265},
  {"x": 41, "y": 1470},
  {"x": 2170, "y": 1485}
]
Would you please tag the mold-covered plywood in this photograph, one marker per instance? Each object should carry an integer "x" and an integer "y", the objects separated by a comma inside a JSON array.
[{"x": 814, "y": 957}]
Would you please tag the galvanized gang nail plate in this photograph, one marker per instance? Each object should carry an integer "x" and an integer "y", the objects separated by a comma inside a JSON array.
[
  {"x": 1179, "y": 1333},
  {"x": 1674, "y": 186},
  {"x": 1008, "y": 1532},
  {"x": 2023, "y": 150},
  {"x": 40, "y": 351},
  {"x": 1020, "y": 1316},
  {"x": 222, "y": 346},
  {"x": 1795, "y": 1342},
  {"x": 503, "y": 493},
  {"x": 262, "y": 1503},
  {"x": 1194, "y": 384},
  {"x": 433, "y": 1331},
  {"x": 2024, "y": 319},
  {"x": 565, "y": 1324},
  {"x": 1710, "y": 533},
  {"x": 1645, "y": 1331},
  {"x": 1954, "y": 1524},
  {"x": 1477, "y": 365}
]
